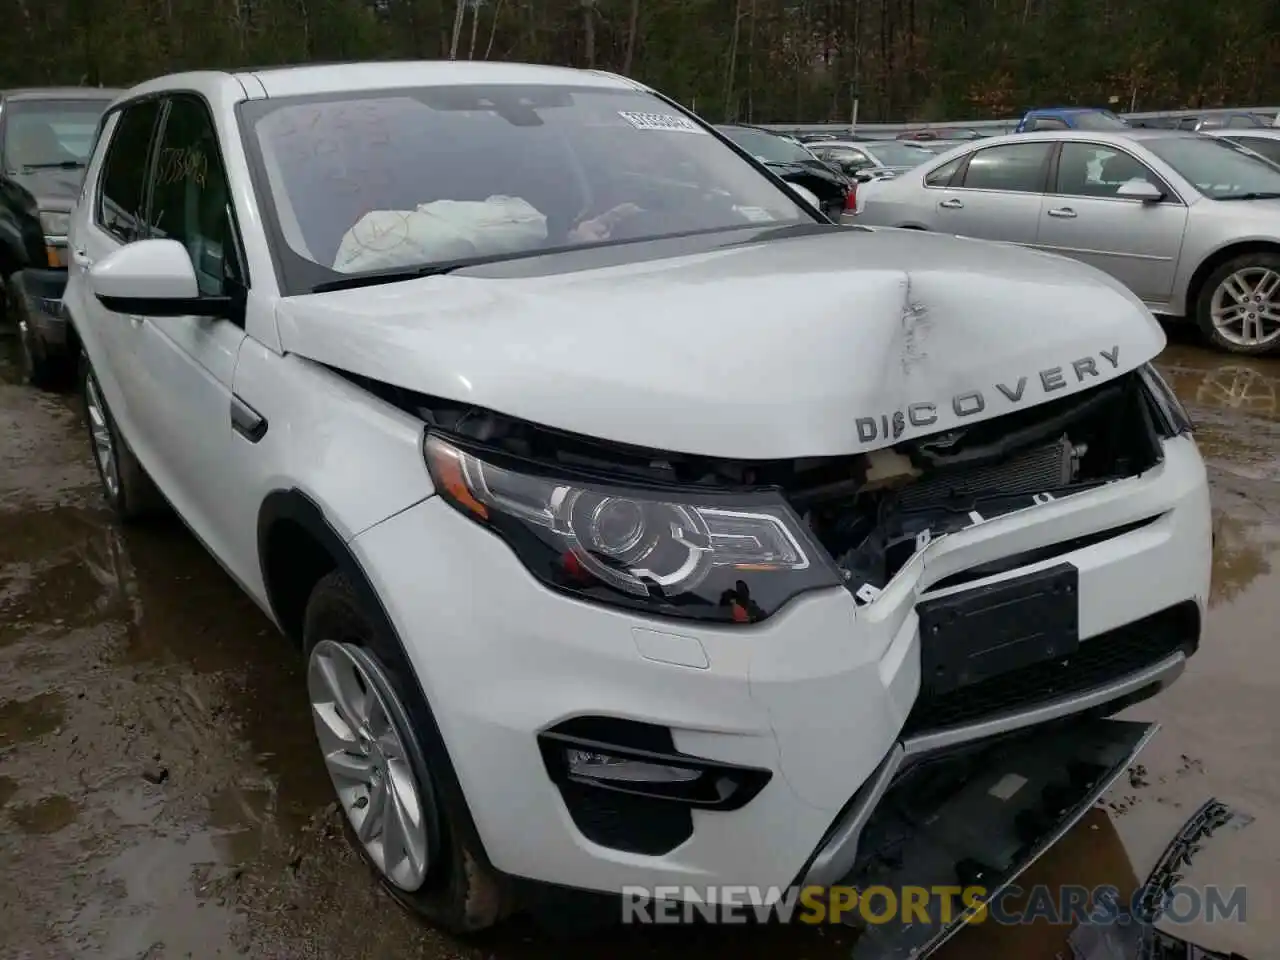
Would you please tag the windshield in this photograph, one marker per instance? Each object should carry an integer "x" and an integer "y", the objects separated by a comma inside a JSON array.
[
  {"x": 1099, "y": 120},
  {"x": 1217, "y": 167},
  {"x": 892, "y": 154},
  {"x": 362, "y": 183},
  {"x": 50, "y": 133},
  {"x": 767, "y": 148}
]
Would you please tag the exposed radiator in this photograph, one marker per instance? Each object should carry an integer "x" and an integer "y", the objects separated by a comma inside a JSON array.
[{"x": 1042, "y": 468}]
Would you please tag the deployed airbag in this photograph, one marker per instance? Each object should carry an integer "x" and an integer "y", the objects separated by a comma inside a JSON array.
[{"x": 440, "y": 231}]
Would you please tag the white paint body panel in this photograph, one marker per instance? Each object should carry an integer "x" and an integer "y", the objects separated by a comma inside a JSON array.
[
  {"x": 766, "y": 350},
  {"x": 817, "y": 693},
  {"x": 759, "y": 351}
]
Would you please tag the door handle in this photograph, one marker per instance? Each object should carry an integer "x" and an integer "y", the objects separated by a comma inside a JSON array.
[
  {"x": 81, "y": 257},
  {"x": 246, "y": 421},
  {"x": 1063, "y": 213},
  {"x": 952, "y": 204}
]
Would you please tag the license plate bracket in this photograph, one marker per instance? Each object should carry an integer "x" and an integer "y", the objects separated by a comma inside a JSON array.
[{"x": 976, "y": 634}]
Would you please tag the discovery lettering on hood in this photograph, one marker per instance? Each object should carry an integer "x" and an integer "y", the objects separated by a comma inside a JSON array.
[{"x": 891, "y": 426}]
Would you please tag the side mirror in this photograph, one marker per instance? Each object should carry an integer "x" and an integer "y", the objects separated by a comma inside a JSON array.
[
  {"x": 1143, "y": 190},
  {"x": 153, "y": 278}
]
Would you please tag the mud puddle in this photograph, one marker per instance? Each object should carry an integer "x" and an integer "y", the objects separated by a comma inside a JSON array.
[{"x": 160, "y": 794}]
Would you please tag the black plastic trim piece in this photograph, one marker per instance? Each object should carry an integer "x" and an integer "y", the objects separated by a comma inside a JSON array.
[
  {"x": 224, "y": 308},
  {"x": 986, "y": 631},
  {"x": 720, "y": 786}
]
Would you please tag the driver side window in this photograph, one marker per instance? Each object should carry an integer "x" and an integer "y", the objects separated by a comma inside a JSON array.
[{"x": 190, "y": 199}]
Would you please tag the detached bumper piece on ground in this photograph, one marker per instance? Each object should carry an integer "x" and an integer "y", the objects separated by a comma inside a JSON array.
[{"x": 979, "y": 816}]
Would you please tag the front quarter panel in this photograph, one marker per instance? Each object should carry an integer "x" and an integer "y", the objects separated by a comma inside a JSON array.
[{"x": 358, "y": 458}]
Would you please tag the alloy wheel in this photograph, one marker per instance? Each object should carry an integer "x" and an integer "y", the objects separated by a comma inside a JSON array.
[
  {"x": 1246, "y": 307},
  {"x": 352, "y": 706},
  {"x": 104, "y": 444}
]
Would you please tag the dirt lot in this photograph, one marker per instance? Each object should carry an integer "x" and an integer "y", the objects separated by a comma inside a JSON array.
[{"x": 160, "y": 795}]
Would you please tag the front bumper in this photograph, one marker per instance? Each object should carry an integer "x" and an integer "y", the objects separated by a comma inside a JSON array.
[
  {"x": 42, "y": 289},
  {"x": 819, "y": 695}
]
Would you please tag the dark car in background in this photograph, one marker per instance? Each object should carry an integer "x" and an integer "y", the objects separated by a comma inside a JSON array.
[
  {"x": 795, "y": 164},
  {"x": 871, "y": 159},
  {"x": 46, "y": 137}
]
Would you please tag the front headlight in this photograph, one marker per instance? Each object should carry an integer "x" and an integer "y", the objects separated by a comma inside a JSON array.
[
  {"x": 55, "y": 224},
  {"x": 735, "y": 558},
  {"x": 1171, "y": 409}
]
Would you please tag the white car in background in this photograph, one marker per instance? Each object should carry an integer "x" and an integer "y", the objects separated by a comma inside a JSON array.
[
  {"x": 1190, "y": 223},
  {"x": 605, "y": 576}
]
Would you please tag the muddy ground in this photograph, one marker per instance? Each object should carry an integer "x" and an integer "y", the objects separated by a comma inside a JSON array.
[{"x": 160, "y": 794}]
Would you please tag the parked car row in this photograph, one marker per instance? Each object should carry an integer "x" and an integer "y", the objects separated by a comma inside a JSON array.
[
  {"x": 1190, "y": 223},
  {"x": 46, "y": 135},
  {"x": 640, "y": 526}
]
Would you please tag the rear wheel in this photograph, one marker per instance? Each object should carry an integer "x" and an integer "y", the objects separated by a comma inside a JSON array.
[
  {"x": 126, "y": 487},
  {"x": 366, "y": 706},
  {"x": 1238, "y": 309}
]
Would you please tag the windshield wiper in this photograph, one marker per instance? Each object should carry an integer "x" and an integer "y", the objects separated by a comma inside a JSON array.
[
  {"x": 393, "y": 276},
  {"x": 58, "y": 165},
  {"x": 1253, "y": 195}
]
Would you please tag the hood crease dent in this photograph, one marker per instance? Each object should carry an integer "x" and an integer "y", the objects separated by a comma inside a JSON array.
[{"x": 811, "y": 346}]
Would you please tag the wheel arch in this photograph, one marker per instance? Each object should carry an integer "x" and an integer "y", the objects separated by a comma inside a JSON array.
[
  {"x": 297, "y": 545},
  {"x": 1213, "y": 261}
]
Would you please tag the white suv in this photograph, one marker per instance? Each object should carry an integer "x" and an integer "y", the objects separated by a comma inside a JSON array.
[{"x": 640, "y": 527}]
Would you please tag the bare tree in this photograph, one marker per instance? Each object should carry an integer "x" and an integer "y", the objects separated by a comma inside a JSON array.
[
  {"x": 633, "y": 26},
  {"x": 589, "y": 31},
  {"x": 458, "y": 14}
]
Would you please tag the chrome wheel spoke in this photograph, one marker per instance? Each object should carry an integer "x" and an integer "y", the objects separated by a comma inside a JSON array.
[
  {"x": 1237, "y": 287},
  {"x": 349, "y": 701},
  {"x": 350, "y": 766},
  {"x": 1268, "y": 287},
  {"x": 371, "y": 824}
]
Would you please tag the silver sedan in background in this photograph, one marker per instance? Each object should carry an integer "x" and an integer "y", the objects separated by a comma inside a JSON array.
[{"x": 1190, "y": 223}]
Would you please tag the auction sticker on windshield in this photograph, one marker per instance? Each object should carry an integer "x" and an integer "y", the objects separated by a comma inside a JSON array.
[{"x": 660, "y": 121}]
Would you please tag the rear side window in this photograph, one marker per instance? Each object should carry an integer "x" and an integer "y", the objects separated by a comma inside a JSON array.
[
  {"x": 1266, "y": 146},
  {"x": 1017, "y": 167},
  {"x": 122, "y": 196},
  {"x": 942, "y": 176},
  {"x": 1046, "y": 123}
]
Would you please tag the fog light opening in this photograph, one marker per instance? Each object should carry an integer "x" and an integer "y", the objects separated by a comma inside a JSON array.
[{"x": 588, "y": 765}]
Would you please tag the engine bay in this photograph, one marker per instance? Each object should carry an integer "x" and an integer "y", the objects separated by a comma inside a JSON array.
[{"x": 872, "y": 512}]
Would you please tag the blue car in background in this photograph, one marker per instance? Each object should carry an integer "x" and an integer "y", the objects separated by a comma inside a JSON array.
[{"x": 1069, "y": 118}]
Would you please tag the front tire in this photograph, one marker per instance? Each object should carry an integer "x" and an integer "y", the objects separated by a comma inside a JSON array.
[
  {"x": 126, "y": 487},
  {"x": 366, "y": 705},
  {"x": 1238, "y": 309}
]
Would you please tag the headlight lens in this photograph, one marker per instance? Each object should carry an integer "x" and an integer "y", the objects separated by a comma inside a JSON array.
[
  {"x": 730, "y": 558},
  {"x": 55, "y": 224},
  {"x": 1179, "y": 421}
]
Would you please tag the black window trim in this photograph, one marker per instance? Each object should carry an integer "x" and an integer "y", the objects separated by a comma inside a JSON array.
[
  {"x": 149, "y": 164},
  {"x": 955, "y": 174},
  {"x": 237, "y": 240},
  {"x": 164, "y": 98},
  {"x": 1171, "y": 197},
  {"x": 957, "y": 179}
]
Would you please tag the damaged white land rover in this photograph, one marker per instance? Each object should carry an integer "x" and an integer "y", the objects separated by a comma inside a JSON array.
[{"x": 640, "y": 527}]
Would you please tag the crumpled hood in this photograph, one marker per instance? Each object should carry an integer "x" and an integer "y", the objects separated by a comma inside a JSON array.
[{"x": 817, "y": 345}]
